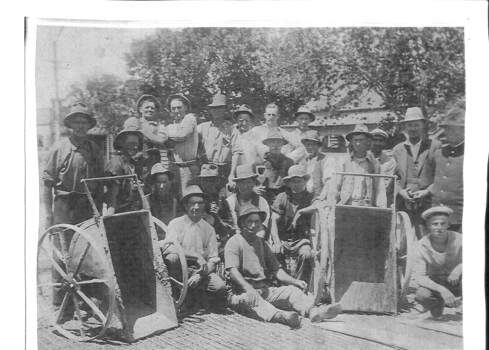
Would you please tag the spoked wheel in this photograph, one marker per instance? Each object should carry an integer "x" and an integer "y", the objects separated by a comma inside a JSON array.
[
  {"x": 405, "y": 241},
  {"x": 74, "y": 283},
  {"x": 179, "y": 284}
]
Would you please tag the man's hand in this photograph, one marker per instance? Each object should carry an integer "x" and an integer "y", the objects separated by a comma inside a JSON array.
[
  {"x": 259, "y": 190},
  {"x": 448, "y": 297},
  {"x": 253, "y": 296},
  {"x": 261, "y": 233},
  {"x": 194, "y": 280},
  {"x": 231, "y": 185},
  {"x": 301, "y": 285},
  {"x": 405, "y": 194},
  {"x": 110, "y": 211},
  {"x": 421, "y": 194},
  {"x": 454, "y": 276},
  {"x": 213, "y": 208}
]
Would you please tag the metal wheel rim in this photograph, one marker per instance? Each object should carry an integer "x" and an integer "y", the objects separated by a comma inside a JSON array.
[{"x": 404, "y": 240}]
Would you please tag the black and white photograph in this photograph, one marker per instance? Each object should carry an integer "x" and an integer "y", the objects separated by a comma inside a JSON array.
[{"x": 249, "y": 187}]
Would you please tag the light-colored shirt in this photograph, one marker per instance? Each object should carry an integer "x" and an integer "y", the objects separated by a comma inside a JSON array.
[
  {"x": 321, "y": 169},
  {"x": 219, "y": 147},
  {"x": 248, "y": 145},
  {"x": 196, "y": 238},
  {"x": 295, "y": 149},
  {"x": 414, "y": 148},
  {"x": 185, "y": 150}
]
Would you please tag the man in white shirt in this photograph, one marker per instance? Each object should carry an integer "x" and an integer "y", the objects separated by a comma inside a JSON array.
[
  {"x": 245, "y": 120},
  {"x": 199, "y": 242}
]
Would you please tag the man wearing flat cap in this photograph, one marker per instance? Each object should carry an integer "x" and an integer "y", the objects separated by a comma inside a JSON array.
[
  {"x": 410, "y": 157},
  {"x": 220, "y": 139},
  {"x": 438, "y": 263},
  {"x": 181, "y": 130},
  {"x": 442, "y": 176}
]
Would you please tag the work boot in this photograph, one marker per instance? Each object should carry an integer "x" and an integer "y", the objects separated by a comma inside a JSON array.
[
  {"x": 288, "y": 318},
  {"x": 437, "y": 310},
  {"x": 324, "y": 312}
]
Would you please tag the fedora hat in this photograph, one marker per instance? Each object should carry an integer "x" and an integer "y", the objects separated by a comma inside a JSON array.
[
  {"x": 244, "y": 109},
  {"x": 440, "y": 210},
  {"x": 305, "y": 110},
  {"x": 245, "y": 171},
  {"x": 218, "y": 100},
  {"x": 311, "y": 135},
  {"x": 122, "y": 134},
  {"x": 275, "y": 135},
  {"x": 147, "y": 97},
  {"x": 249, "y": 209},
  {"x": 413, "y": 114},
  {"x": 358, "y": 130},
  {"x": 79, "y": 110},
  {"x": 296, "y": 171},
  {"x": 193, "y": 190},
  {"x": 159, "y": 168},
  {"x": 178, "y": 96},
  {"x": 379, "y": 132}
]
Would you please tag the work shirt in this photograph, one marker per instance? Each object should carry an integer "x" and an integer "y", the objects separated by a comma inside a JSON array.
[
  {"x": 69, "y": 162},
  {"x": 197, "y": 239},
  {"x": 219, "y": 148},
  {"x": 286, "y": 205},
  {"x": 252, "y": 257},
  {"x": 443, "y": 176},
  {"x": 436, "y": 265},
  {"x": 321, "y": 170},
  {"x": 186, "y": 150}
]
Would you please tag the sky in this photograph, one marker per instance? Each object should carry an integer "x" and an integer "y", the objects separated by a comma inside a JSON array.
[{"x": 82, "y": 53}]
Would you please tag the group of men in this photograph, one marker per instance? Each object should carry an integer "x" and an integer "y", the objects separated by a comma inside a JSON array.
[{"x": 236, "y": 190}]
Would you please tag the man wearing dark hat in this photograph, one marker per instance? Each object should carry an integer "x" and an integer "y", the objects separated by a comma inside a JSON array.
[
  {"x": 360, "y": 190},
  {"x": 220, "y": 139},
  {"x": 442, "y": 176},
  {"x": 199, "y": 242},
  {"x": 438, "y": 265},
  {"x": 123, "y": 194},
  {"x": 183, "y": 136},
  {"x": 69, "y": 161},
  {"x": 252, "y": 265},
  {"x": 410, "y": 157}
]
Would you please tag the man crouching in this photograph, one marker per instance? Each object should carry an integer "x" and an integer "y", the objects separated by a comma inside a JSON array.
[{"x": 251, "y": 265}]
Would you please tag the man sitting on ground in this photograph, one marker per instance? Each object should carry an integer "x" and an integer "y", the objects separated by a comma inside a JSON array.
[{"x": 251, "y": 266}]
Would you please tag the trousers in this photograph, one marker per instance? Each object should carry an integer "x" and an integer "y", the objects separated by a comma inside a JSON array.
[
  {"x": 431, "y": 299},
  {"x": 273, "y": 299}
]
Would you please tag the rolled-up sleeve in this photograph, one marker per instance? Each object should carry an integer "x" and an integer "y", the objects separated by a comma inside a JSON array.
[{"x": 231, "y": 254}]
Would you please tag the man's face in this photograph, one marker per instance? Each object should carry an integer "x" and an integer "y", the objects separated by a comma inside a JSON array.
[
  {"x": 80, "y": 126},
  {"x": 177, "y": 108},
  {"x": 195, "y": 208},
  {"x": 130, "y": 146},
  {"x": 147, "y": 109},
  {"x": 312, "y": 148},
  {"x": 271, "y": 115},
  {"x": 415, "y": 129},
  {"x": 217, "y": 114},
  {"x": 297, "y": 184},
  {"x": 360, "y": 143},
  {"x": 275, "y": 146},
  {"x": 453, "y": 134},
  {"x": 244, "y": 122},
  {"x": 303, "y": 120},
  {"x": 378, "y": 143},
  {"x": 161, "y": 183},
  {"x": 251, "y": 224},
  {"x": 245, "y": 186},
  {"x": 438, "y": 225}
]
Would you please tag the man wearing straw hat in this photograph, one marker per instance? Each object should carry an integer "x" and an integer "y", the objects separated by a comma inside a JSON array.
[
  {"x": 360, "y": 190},
  {"x": 69, "y": 161},
  {"x": 442, "y": 176},
  {"x": 183, "y": 138},
  {"x": 221, "y": 140},
  {"x": 410, "y": 157},
  {"x": 295, "y": 149}
]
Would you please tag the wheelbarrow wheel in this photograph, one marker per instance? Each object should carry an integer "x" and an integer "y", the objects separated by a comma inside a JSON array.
[
  {"x": 405, "y": 241},
  {"x": 75, "y": 273},
  {"x": 179, "y": 285}
]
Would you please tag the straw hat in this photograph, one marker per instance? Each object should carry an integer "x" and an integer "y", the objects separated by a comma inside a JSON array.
[
  {"x": 218, "y": 100},
  {"x": 245, "y": 171},
  {"x": 159, "y": 168},
  {"x": 358, "y": 130},
  {"x": 249, "y": 209},
  {"x": 79, "y": 110},
  {"x": 413, "y": 114},
  {"x": 305, "y": 110},
  {"x": 147, "y": 97},
  {"x": 120, "y": 137},
  {"x": 178, "y": 96},
  {"x": 379, "y": 132},
  {"x": 193, "y": 190},
  {"x": 296, "y": 171},
  {"x": 244, "y": 109},
  {"x": 440, "y": 210},
  {"x": 275, "y": 135},
  {"x": 311, "y": 135}
]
